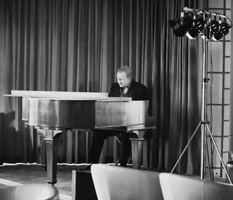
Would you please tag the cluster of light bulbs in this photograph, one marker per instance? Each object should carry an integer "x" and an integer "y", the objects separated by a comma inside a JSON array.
[{"x": 193, "y": 22}]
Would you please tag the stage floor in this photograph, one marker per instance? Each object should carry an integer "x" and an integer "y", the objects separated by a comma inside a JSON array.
[{"x": 19, "y": 173}]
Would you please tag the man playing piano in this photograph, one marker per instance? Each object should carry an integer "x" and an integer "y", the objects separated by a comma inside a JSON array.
[{"x": 125, "y": 86}]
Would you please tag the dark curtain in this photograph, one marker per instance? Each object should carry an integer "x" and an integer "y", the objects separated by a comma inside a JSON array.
[{"x": 77, "y": 45}]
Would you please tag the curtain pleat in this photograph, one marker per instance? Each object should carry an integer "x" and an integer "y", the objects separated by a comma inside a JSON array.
[{"x": 77, "y": 45}]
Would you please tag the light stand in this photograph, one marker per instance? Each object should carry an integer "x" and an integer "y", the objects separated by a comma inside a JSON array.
[{"x": 203, "y": 124}]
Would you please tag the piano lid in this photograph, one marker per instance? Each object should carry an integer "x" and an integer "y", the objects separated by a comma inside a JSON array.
[
  {"x": 62, "y": 96},
  {"x": 58, "y": 94}
]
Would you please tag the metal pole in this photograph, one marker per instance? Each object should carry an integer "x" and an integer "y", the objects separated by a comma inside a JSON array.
[{"x": 203, "y": 107}]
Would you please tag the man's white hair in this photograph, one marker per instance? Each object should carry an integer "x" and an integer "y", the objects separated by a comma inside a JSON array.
[{"x": 126, "y": 69}]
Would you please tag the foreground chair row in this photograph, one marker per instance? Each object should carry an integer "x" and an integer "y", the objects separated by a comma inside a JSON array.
[
  {"x": 119, "y": 183},
  {"x": 189, "y": 188},
  {"x": 114, "y": 182}
]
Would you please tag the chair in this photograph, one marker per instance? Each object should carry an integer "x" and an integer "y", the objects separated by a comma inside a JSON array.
[
  {"x": 82, "y": 185},
  {"x": 121, "y": 183},
  {"x": 29, "y": 192},
  {"x": 185, "y": 187}
]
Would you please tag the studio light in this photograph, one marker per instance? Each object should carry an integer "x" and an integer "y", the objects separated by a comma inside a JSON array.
[
  {"x": 181, "y": 25},
  {"x": 211, "y": 28},
  {"x": 198, "y": 27},
  {"x": 214, "y": 26},
  {"x": 202, "y": 23},
  {"x": 194, "y": 22},
  {"x": 223, "y": 30}
]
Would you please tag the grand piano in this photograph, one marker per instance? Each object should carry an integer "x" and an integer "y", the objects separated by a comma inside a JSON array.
[{"x": 53, "y": 113}]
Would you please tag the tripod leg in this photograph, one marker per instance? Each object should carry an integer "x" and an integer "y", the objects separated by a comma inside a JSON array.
[
  {"x": 210, "y": 164},
  {"x": 215, "y": 145},
  {"x": 185, "y": 147}
]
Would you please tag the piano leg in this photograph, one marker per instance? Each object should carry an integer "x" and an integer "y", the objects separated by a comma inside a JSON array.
[
  {"x": 43, "y": 156},
  {"x": 42, "y": 150},
  {"x": 51, "y": 151},
  {"x": 51, "y": 142},
  {"x": 146, "y": 154},
  {"x": 139, "y": 149},
  {"x": 137, "y": 145}
]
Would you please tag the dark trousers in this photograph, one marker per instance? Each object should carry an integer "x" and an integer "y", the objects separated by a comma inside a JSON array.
[{"x": 98, "y": 141}]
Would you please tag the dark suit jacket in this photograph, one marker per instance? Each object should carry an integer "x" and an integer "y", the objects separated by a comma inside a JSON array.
[{"x": 137, "y": 91}]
